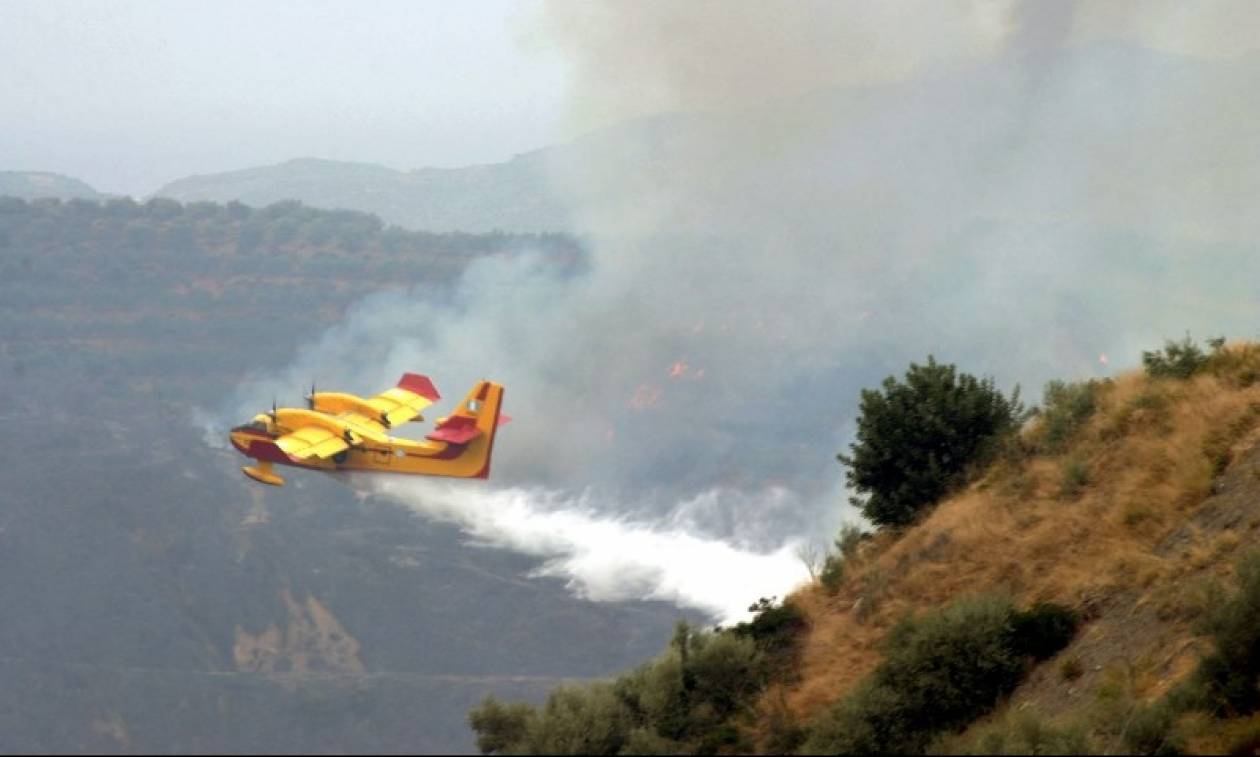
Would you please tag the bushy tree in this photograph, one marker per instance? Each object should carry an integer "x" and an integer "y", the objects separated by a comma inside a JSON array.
[
  {"x": 916, "y": 439},
  {"x": 581, "y": 720},
  {"x": 501, "y": 727}
]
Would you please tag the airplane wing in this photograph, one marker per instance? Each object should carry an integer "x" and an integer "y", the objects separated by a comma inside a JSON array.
[
  {"x": 311, "y": 441},
  {"x": 405, "y": 401}
]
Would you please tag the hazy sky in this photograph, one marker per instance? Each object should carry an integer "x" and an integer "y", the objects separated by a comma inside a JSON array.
[{"x": 129, "y": 94}]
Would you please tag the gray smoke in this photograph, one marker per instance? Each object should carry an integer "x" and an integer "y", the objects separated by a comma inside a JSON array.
[{"x": 1010, "y": 195}]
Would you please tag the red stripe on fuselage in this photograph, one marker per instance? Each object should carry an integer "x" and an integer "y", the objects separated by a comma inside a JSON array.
[{"x": 265, "y": 449}]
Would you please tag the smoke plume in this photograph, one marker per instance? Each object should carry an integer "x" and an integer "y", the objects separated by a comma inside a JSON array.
[{"x": 828, "y": 203}]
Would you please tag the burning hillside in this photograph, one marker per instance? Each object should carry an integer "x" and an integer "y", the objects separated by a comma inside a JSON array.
[{"x": 1116, "y": 517}]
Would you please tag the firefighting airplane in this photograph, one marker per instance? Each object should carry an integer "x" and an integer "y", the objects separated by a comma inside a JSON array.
[{"x": 342, "y": 432}]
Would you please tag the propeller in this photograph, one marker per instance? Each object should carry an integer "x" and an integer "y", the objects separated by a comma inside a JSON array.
[
  {"x": 310, "y": 398},
  {"x": 273, "y": 410}
]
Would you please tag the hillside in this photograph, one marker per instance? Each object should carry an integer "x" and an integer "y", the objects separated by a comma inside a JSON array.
[
  {"x": 1117, "y": 515},
  {"x": 1151, "y": 502},
  {"x": 154, "y": 599},
  {"x": 32, "y": 184},
  {"x": 512, "y": 196}
]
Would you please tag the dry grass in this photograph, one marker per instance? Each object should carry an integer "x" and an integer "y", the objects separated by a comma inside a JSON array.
[{"x": 1152, "y": 449}]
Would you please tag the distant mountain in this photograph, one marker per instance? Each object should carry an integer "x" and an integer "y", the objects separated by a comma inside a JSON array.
[
  {"x": 31, "y": 184},
  {"x": 510, "y": 196}
]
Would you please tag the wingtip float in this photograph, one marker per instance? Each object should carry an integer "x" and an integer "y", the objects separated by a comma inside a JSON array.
[{"x": 343, "y": 432}]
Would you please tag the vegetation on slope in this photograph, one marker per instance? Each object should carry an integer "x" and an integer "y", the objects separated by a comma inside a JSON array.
[
  {"x": 1114, "y": 501},
  {"x": 939, "y": 673},
  {"x": 163, "y": 225},
  {"x": 1111, "y": 515},
  {"x": 696, "y": 697},
  {"x": 126, "y": 292}
]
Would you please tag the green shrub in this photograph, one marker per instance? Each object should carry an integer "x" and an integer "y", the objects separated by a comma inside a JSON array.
[
  {"x": 849, "y": 541},
  {"x": 1020, "y": 733},
  {"x": 917, "y": 439},
  {"x": 846, "y": 544},
  {"x": 690, "y": 699},
  {"x": 939, "y": 673},
  {"x": 832, "y": 574},
  {"x": 724, "y": 672},
  {"x": 1179, "y": 360},
  {"x": 1152, "y": 730},
  {"x": 1065, "y": 409},
  {"x": 1229, "y": 674},
  {"x": 774, "y": 628}
]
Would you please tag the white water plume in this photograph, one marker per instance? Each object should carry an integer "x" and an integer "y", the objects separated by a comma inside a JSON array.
[{"x": 604, "y": 558}]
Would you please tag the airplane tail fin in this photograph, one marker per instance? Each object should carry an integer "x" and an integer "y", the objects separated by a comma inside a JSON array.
[{"x": 474, "y": 422}]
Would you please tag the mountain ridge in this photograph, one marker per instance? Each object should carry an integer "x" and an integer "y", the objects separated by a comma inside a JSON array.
[
  {"x": 30, "y": 185},
  {"x": 508, "y": 196}
]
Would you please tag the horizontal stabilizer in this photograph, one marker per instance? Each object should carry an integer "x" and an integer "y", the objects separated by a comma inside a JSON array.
[
  {"x": 457, "y": 429},
  {"x": 504, "y": 418}
]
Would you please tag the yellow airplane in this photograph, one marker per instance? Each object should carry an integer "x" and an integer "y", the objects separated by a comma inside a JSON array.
[{"x": 342, "y": 432}]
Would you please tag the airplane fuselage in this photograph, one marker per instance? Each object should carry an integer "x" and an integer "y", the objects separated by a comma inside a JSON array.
[
  {"x": 397, "y": 455},
  {"x": 460, "y": 446}
]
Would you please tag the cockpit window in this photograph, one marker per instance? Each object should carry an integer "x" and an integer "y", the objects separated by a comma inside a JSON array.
[{"x": 257, "y": 425}]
